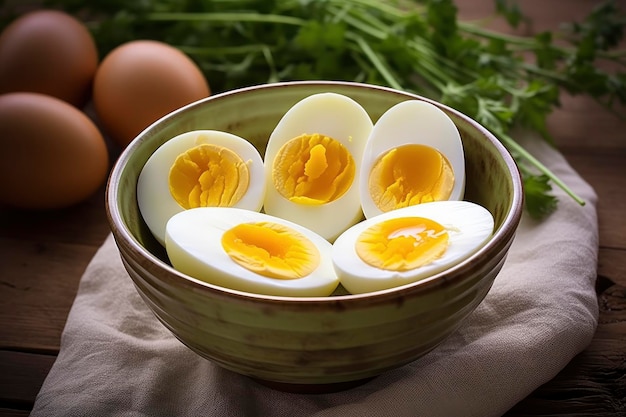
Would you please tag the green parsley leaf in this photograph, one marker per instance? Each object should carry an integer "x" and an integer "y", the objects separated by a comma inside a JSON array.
[{"x": 538, "y": 200}]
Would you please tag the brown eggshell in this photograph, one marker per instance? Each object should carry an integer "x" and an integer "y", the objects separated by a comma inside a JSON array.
[
  {"x": 141, "y": 81},
  {"x": 53, "y": 155},
  {"x": 48, "y": 52}
]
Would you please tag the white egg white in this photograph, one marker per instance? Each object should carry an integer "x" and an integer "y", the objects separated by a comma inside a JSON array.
[
  {"x": 193, "y": 244},
  {"x": 469, "y": 227},
  {"x": 336, "y": 116},
  {"x": 156, "y": 203},
  {"x": 412, "y": 122}
]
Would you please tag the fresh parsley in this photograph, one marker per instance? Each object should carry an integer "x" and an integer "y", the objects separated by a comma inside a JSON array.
[{"x": 500, "y": 80}]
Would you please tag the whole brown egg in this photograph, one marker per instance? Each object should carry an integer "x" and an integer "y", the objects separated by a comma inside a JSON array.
[
  {"x": 53, "y": 155},
  {"x": 48, "y": 52},
  {"x": 141, "y": 81}
]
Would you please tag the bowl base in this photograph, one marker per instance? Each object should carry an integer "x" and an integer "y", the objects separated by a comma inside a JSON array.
[{"x": 313, "y": 388}]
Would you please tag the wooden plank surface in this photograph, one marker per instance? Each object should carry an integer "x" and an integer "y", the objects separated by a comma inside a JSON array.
[{"x": 42, "y": 257}]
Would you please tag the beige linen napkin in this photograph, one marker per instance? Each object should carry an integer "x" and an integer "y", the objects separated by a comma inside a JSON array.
[{"x": 117, "y": 359}]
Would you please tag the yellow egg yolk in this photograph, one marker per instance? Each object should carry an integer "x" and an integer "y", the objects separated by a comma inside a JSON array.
[
  {"x": 271, "y": 249},
  {"x": 409, "y": 175},
  {"x": 313, "y": 169},
  {"x": 208, "y": 176},
  {"x": 402, "y": 244}
]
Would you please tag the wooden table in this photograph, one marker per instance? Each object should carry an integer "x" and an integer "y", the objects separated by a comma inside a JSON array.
[{"x": 43, "y": 255}]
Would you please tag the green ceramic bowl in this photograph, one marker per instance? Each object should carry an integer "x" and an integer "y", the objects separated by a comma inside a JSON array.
[{"x": 310, "y": 344}]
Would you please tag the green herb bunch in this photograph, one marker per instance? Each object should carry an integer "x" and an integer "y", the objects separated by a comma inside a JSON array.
[{"x": 500, "y": 80}]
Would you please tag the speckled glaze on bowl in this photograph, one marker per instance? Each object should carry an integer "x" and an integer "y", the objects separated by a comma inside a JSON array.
[{"x": 311, "y": 344}]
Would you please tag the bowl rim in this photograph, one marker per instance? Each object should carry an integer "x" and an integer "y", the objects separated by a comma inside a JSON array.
[{"x": 122, "y": 235}]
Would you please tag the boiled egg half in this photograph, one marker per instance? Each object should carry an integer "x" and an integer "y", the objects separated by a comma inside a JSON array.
[
  {"x": 202, "y": 168},
  {"x": 413, "y": 155},
  {"x": 313, "y": 163},
  {"x": 250, "y": 251},
  {"x": 409, "y": 244}
]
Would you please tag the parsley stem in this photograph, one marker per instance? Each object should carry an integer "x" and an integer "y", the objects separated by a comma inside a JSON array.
[
  {"x": 363, "y": 27},
  {"x": 373, "y": 4},
  {"x": 528, "y": 43},
  {"x": 227, "y": 17},
  {"x": 377, "y": 62},
  {"x": 475, "y": 29},
  {"x": 267, "y": 53},
  {"x": 221, "y": 50},
  {"x": 510, "y": 143}
]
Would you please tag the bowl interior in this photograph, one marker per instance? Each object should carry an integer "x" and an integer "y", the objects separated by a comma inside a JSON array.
[{"x": 252, "y": 113}]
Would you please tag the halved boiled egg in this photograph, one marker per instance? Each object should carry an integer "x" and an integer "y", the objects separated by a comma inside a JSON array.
[
  {"x": 202, "y": 168},
  {"x": 409, "y": 244},
  {"x": 250, "y": 251},
  {"x": 414, "y": 155},
  {"x": 312, "y": 163}
]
